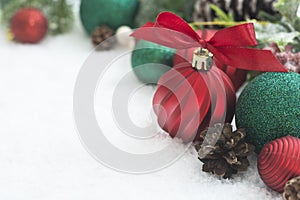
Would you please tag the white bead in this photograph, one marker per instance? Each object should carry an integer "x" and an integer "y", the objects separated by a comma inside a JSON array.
[{"x": 123, "y": 37}]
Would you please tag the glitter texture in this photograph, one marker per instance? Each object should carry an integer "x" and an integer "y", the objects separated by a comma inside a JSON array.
[
  {"x": 269, "y": 108},
  {"x": 145, "y": 58},
  {"x": 112, "y": 13}
]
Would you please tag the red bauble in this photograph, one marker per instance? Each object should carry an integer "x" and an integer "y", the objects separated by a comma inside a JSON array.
[
  {"x": 28, "y": 25},
  {"x": 279, "y": 161},
  {"x": 237, "y": 76},
  {"x": 187, "y": 101}
]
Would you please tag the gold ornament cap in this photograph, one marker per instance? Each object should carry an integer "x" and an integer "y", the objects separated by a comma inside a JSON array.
[{"x": 202, "y": 59}]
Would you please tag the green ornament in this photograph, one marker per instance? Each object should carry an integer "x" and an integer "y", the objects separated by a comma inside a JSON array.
[
  {"x": 149, "y": 9},
  {"x": 3, "y": 2},
  {"x": 112, "y": 13},
  {"x": 269, "y": 108},
  {"x": 150, "y": 61},
  {"x": 148, "y": 12}
]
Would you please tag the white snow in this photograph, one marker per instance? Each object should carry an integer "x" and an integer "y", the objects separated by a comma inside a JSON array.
[{"x": 42, "y": 158}]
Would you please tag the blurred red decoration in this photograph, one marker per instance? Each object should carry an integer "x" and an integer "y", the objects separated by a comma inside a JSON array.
[
  {"x": 28, "y": 25},
  {"x": 288, "y": 58},
  {"x": 279, "y": 161}
]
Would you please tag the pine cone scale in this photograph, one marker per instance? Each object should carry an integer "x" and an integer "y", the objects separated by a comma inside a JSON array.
[
  {"x": 292, "y": 189},
  {"x": 231, "y": 158},
  {"x": 220, "y": 168}
]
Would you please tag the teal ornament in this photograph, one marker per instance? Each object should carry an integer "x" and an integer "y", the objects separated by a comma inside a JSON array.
[
  {"x": 112, "y": 13},
  {"x": 149, "y": 9},
  {"x": 3, "y": 3},
  {"x": 150, "y": 61},
  {"x": 269, "y": 108}
]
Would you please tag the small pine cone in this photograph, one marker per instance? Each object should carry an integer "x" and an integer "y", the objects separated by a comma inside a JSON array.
[
  {"x": 292, "y": 189},
  {"x": 241, "y": 9},
  {"x": 223, "y": 151},
  {"x": 103, "y": 35}
]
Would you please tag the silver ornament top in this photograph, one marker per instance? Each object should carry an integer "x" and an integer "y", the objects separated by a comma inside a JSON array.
[{"x": 202, "y": 59}]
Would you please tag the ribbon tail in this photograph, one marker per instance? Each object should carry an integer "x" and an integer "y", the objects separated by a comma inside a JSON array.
[{"x": 251, "y": 59}]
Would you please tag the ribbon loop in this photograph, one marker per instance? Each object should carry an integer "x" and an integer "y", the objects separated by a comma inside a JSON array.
[{"x": 239, "y": 35}]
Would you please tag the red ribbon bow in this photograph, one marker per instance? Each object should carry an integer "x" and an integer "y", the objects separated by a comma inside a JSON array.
[{"x": 228, "y": 45}]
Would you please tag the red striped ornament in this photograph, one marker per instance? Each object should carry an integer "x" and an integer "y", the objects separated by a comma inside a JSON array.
[
  {"x": 279, "y": 161},
  {"x": 187, "y": 101}
]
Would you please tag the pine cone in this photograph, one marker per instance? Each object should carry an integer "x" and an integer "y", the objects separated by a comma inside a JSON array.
[
  {"x": 241, "y": 10},
  {"x": 103, "y": 35},
  {"x": 223, "y": 151},
  {"x": 292, "y": 189}
]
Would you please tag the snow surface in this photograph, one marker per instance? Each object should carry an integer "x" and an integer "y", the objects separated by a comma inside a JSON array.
[{"x": 42, "y": 158}]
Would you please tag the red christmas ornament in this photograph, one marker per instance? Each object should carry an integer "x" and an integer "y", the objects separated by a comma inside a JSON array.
[
  {"x": 188, "y": 100},
  {"x": 279, "y": 161},
  {"x": 28, "y": 25},
  {"x": 237, "y": 76}
]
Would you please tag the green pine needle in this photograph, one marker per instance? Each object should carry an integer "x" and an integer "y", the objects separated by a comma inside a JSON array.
[{"x": 221, "y": 15}]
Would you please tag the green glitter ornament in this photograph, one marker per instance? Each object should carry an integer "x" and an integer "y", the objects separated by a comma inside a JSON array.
[
  {"x": 150, "y": 61},
  {"x": 269, "y": 108},
  {"x": 112, "y": 13}
]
